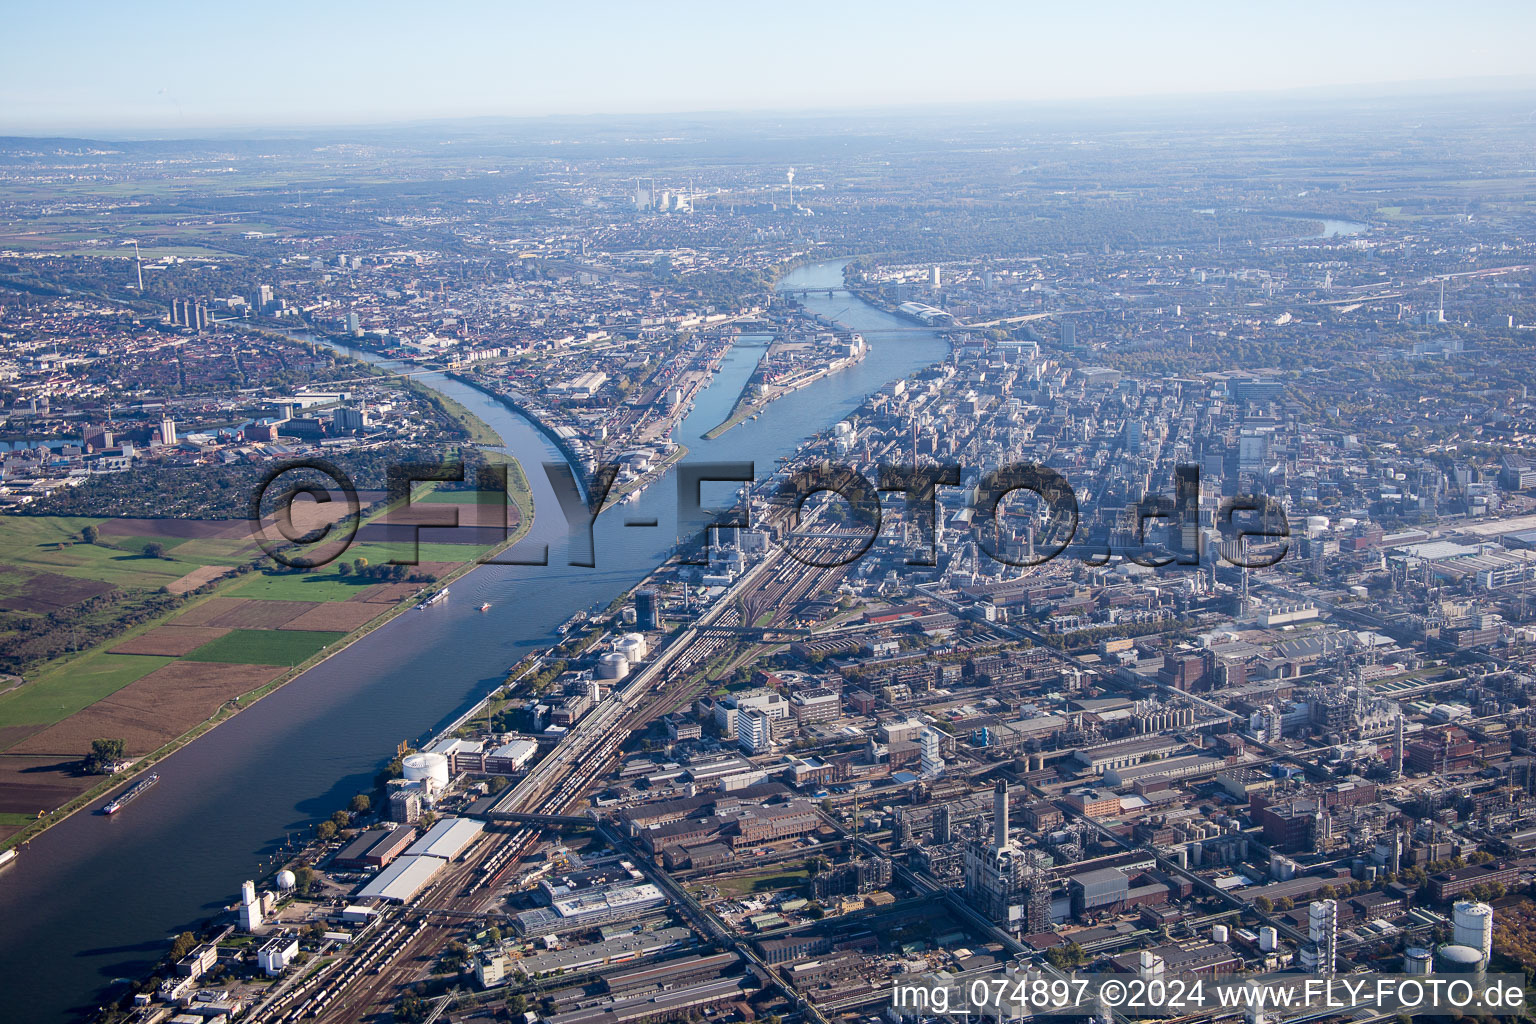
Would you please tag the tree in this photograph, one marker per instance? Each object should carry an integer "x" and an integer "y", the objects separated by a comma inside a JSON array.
[
  {"x": 360, "y": 804},
  {"x": 184, "y": 944},
  {"x": 154, "y": 549},
  {"x": 493, "y": 935},
  {"x": 343, "y": 570},
  {"x": 341, "y": 819},
  {"x": 517, "y": 1003},
  {"x": 303, "y": 879},
  {"x": 104, "y": 754},
  {"x": 1264, "y": 904},
  {"x": 411, "y": 1009},
  {"x": 325, "y": 831},
  {"x": 90, "y": 534}
]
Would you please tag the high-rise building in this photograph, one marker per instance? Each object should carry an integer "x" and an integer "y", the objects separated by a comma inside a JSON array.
[
  {"x": 1133, "y": 434},
  {"x": 354, "y": 325},
  {"x": 1068, "y": 334},
  {"x": 647, "y": 609},
  {"x": 1322, "y": 947},
  {"x": 933, "y": 758},
  {"x": 250, "y": 907},
  {"x": 754, "y": 730}
]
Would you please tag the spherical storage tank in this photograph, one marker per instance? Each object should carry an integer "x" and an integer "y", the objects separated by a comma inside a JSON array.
[
  {"x": 1454, "y": 959},
  {"x": 286, "y": 880},
  {"x": 612, "y": 665},
  {"x": 420, "y": 767}
]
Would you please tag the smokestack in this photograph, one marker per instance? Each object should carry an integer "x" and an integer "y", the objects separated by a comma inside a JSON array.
[{"x": 1000, "y": 815}]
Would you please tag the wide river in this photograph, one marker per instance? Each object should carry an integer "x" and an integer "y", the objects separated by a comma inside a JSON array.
[{"x": 97, "y": 899}]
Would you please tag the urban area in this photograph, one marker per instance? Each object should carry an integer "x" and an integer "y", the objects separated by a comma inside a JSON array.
[{"x": 1251, "y": 694}]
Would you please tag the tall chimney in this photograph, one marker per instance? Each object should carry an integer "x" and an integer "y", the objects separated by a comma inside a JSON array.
[{"x": 1000, "y": 815}]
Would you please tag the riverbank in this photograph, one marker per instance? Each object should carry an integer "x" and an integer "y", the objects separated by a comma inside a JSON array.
[
  {"x": 747, "y": 406},
  {"x": 299, "y": 753},
  {"x": 233, "y": 706}
]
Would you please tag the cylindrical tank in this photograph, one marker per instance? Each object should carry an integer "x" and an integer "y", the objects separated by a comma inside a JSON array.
[
  {"x": 1459, "y": 959},
  {"x": 1219, "y": 933},
  {"x": 1472, "y": 925},
  {"x": 612, "y": 665},
  {"x": 842, "y": 428},
  {"x": 1317, "y": 525},
  {"x": 420, "y": 767},
  {"x": 1418, "y": 960},
  {"x": 632, "y": 646},
  {"x": 1269, "y": 939},
  {"x": 1348, "y": 524},
  {"x": 286, "y": 880}
]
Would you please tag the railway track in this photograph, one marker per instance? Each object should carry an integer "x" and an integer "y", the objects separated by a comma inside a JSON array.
[{"x": 398, "y": 954}]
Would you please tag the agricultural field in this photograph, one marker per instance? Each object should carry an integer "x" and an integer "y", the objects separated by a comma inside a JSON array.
[
  {"x": 141, "y": 653},
  {"x": 265, "y": 647}
]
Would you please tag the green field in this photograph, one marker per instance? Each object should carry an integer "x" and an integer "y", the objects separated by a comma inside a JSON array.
[
  {"x": 426, "y": 551},
  {"x": 52, "y": 544},
  {"x": 770, "y": 879},
  {"x": 321, "y": 585},
  {"x": 264, "y": 647},
  {"x": 64, "y": 689}
]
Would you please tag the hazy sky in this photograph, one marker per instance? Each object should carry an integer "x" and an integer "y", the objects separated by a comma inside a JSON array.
[{"x": 171, "y": 67}]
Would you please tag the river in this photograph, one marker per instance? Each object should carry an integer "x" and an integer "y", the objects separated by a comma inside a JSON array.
[{"x": 96, "y": 899}]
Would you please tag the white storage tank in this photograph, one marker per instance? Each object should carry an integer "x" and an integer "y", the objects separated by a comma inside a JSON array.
[
  {"x": 1472, "y": 925},
  {"x": 421, "y": 767},
  {"x": 632, "y": 646},
  {"x": 1316, "y": 525},
  {"x": 1269, "y": 939},
  {"x": 842, "y": 428},
  {"x": 612, "y": 665},
  {"x": 286, "y": 880},
  {"x": 1418, "y": 960},
  {"x": 1219, "y": 933}
]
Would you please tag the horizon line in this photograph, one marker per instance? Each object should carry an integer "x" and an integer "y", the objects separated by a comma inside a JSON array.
[{"x": 1464, "y": 87}]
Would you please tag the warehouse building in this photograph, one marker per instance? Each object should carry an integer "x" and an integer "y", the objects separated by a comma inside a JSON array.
[
  {"x": 402, "y": 880},
  {"x": 447, "y": 839}
]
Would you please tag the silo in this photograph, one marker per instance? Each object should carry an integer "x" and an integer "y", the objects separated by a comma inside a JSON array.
[
  {"x": 1472, "y": 925},
  {"x": 1269, "y": 939},
  {"x": 1459, "y": 959},
  {"x": 421, "y": 767},
  {"x": 632, "y": 646},
  {"x": 1418, "y": 960},
  {"x": 612, "y": 665}
]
